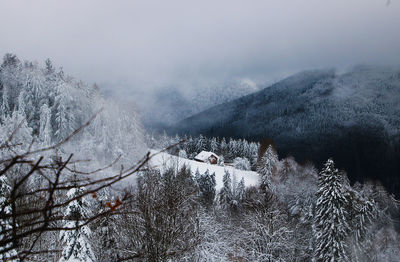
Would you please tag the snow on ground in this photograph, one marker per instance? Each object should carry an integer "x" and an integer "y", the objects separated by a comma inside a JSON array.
[{"x": 161, "y": 160}]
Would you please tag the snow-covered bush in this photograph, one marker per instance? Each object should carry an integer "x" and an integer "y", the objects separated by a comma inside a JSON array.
[
  {"x": 241, "y": 163},
  {"x": 182, "y": 154}
]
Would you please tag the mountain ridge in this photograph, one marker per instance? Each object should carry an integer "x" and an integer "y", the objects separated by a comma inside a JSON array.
[{"x": 353, "y": 117}]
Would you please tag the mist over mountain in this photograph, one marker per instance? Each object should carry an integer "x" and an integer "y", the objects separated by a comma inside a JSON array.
[
  {"x": 169, "y": 105},
  {"x": 353, "y": 117}
]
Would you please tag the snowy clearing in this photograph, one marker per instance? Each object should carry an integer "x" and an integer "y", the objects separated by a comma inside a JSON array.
[{"x": 161, "y": 160}]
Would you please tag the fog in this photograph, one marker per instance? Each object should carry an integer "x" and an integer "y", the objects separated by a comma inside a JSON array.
[{"x": 129, "y": 46}]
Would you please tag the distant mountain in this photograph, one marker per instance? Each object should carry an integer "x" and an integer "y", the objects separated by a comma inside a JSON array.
[
  {"x": 170, "y": 105},
  {"x": 353, "y": 117}
]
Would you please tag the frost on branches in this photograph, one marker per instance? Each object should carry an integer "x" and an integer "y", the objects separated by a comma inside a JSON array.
[
  {"x": 5, "y": 223},
  {"x": 75, "y": 241},
  {"x": 330, "y": 224}
]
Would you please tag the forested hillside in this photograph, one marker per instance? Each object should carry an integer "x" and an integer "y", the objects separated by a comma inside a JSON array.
[
  {"x": 352, "y": 117},
  {"x": 74, "y": 186},
  {"x": 168, "y": 105},
  {"x": 51, "y": 105}
]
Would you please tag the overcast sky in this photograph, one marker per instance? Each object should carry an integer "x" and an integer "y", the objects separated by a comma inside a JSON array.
[{"x": 145, "y": 44}]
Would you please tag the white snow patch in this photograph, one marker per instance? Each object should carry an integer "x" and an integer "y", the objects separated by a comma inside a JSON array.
[{"x": 162, "y": 160}]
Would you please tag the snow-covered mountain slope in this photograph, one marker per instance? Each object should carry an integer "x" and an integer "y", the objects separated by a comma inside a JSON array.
[
  {"x": 162, "y": 160},
  {"x": 353, "y": 117}
]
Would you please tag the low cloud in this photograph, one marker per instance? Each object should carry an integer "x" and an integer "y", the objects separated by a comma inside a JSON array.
[{"x": 128, "y": 46}]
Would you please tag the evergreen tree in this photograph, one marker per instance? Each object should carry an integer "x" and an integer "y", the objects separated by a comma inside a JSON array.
[
  {"x": 232, "y": 149},
  {"x": 65, "y": 116},
  {"x": 197, "y": 175},
  {"x": 76, "y": 241},
  {"x": 213, "y": 145},
  {"x": 200, "y": 144},
  {"x": 225, "y": 195},
  {"x": 330, "y": 223},
  {"x": 45, "y": 133},
  {"x": 49, "y": 68},
  {"x": 240, "y": 190},
  {"x": 32, "y": 96},
  {"x": 206, "y": 184},
  {"x": 5, "y": 107},
  {"x": 5, "y": 223},
  {"x": 267, "y": 167},
  {"x": 223, "y": 147}
]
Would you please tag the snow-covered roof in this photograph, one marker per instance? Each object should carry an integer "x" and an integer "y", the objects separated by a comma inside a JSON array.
[{"x": 205, "y": 155}]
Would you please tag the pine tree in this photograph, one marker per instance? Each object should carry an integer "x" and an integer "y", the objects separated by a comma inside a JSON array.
[
  {"x": 223, "y": 147},
  {"x": 65, "y": 116},
  {"x": 197, "y": 175},
  {"x": 32, "y": 96},
  {"x": 200, "y": 144},
  {"x": 225, "y": 195},
  {"x": 45, "y": 133},
  {"x": 49, "y": 68},
  {"x": 267, "y": 167},
  {"x": 5, "y": 106},
  {"x": 330, "y": 223},
  {"x": 76, "y": 241},
  {"x": 213, "y": 145},
  {"x": 6, "y": 223},
  {"x": 232, "y": 149},
  {"x": 206, "y": 184},
  {"x": 240, "y": 190}
]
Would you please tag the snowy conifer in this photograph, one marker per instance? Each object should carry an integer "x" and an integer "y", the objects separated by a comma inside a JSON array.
[
  {"x": 330, "y": 224},
  {"x": 76, "y": 241},
  {"x": 213, "y": 145},
  {"x": 223, "y": 147},
  {"x": 240, "y": 190},
  {"x": 182, "y": 154},
  {"x": 5, "y": 107},
  {"x": 65, "y": 116},
  {"x": 267, "y": 167},
  {"x": 225, "y": 195},
  {"x": 45, "y": 133},
  {"x": 200, "y": 144},
  {"x": 206, "y": 184}
]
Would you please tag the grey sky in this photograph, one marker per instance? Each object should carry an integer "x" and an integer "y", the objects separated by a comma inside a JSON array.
[{"x": 145, "y": 44}]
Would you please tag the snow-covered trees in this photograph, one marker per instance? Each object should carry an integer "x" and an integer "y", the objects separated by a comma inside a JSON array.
[
  {"x": 39, "y": 108},
  {"x": 269, "y": 237},
  {"x": 225, "y": 195},
  {"x": 231, "y": 194},
  {"x": 76, "y": 240},
  {"x": 45, "y": 131},
  {"x": 241, "y": 163},
  {"x": 7, "y": 251},
  {"x": 267, "y": 167},
  {"x": 55, "y": 105},
  {"x": 331, "y": 223},
  {"x": 206, "y": 184},
  {"x": 166, "y": 222},
  {"x": 246, "y": 152},
  {"x": 65, "y": 118}
]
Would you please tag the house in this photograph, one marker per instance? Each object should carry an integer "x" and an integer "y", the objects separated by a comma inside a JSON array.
[{"x": 207, "y": 157}]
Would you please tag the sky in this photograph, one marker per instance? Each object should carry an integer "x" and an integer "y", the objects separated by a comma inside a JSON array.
[{"x": 133, "y": 45}]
